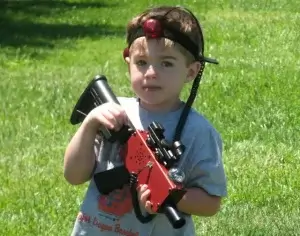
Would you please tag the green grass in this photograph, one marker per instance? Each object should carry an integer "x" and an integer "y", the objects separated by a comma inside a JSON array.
[{"x": 51, "y": 49}]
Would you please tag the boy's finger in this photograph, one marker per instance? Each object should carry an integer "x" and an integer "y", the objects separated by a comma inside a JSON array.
[
  {"x": 148, "y": 207},
  {"x": 142, "y": 188},
  {"x": 105, "y": 121},
  {"x": 145, "y": 195},
  {"x": 120, "y": 113},
  {"x": 110, "y": 119},
  {"x": 119, "y": 116}
]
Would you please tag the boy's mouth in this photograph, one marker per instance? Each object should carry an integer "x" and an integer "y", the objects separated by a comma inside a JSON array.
[{"x": 151, "y": 88}]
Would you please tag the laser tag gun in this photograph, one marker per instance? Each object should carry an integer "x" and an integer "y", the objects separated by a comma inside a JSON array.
[{"x": 148, "y": 158}]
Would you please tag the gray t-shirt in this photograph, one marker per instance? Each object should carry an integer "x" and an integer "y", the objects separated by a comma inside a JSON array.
[{"x": 201, "y": 162}]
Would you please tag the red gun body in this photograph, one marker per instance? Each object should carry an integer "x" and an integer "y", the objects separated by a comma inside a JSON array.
[{"x": 140, "y": 159}]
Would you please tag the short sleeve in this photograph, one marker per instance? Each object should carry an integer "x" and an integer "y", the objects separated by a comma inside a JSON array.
[{"x": 206, "y": 168}]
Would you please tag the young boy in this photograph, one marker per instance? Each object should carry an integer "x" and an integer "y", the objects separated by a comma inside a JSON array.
[{"x": 165, "y": 51}]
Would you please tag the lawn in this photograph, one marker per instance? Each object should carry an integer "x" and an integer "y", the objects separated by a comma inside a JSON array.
[{"x": 49, "y": 50}]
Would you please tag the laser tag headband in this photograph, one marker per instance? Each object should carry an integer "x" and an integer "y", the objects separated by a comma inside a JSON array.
[{"x": 157, "y": 27}]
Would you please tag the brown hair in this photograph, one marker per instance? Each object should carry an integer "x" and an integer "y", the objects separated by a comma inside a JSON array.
[{"x": 177, "y": 18}]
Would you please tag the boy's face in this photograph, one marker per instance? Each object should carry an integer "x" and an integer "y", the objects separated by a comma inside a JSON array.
[{"x": 158, "y": 73}]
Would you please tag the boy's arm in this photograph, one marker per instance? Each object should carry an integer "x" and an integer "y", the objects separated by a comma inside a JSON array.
[
  {"x": 197, "y": 201},
  {"x": 206, "y": 180},
  {"x": 79, "y": 159}
]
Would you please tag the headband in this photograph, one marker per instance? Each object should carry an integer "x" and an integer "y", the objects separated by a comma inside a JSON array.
[{"x": 156, "y": 27}]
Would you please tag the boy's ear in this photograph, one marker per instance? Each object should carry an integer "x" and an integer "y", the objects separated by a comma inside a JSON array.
[
  {"x": 127, "y": 60},
  {"x": 193, "y": 70}
]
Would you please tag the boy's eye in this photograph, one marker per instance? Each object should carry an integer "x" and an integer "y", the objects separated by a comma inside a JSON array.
[
  {"x": 167, "y": 64},
  {"x": 141, "y": 62}
]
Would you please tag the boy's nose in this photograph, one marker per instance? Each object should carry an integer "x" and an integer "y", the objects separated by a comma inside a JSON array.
[{"x": 151, "y": 72}]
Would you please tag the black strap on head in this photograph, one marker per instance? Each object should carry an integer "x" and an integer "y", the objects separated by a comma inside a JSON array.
[
  {"x": 157, "y": 26},
  {"x": 162, "y": 30}
]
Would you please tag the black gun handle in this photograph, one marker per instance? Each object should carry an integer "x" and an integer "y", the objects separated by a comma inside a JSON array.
[
  {"x": 122, "y": 135},
  {"x": 109, "y": 180},
  {"x": 175, "y": 218}
]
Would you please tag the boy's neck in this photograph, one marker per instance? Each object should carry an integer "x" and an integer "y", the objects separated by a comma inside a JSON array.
[{"x": 161, "y": 108}]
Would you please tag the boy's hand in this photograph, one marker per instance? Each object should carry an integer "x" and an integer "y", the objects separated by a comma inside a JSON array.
[
  {"x": 143, "y": 195},
  {"x": 110, "y": 115}
]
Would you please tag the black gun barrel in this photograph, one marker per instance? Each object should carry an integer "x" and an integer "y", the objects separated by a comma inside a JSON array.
[
  {"x": 98, "y": 92},
  {"x": 173, "y": 216},
  {"x": 103, "y": 90}
]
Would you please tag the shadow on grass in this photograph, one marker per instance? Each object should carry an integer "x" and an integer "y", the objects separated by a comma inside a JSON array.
[
  {"x": 18, "y": 28},
  {"x": 39, "y": 7}
]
